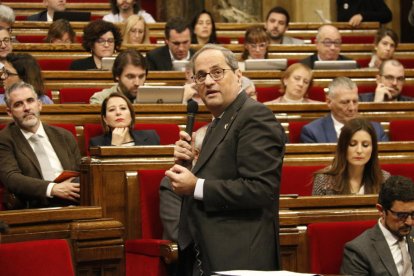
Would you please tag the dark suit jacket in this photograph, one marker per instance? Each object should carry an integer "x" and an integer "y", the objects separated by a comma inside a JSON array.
[
  {"x": 141, "y": 138},
  {"x": 310, "y": 60},
  {"x": 159, "y": 59},
  {"x": 170, "y": 208},
  {"x": 369, "y": 254},
  {"x": 322, "y": 130},
  {"x": 236, "y": 225},
  {"x": 369, "y": 97},
  {"x": 41, "y": 16},
  {"x": 83, "y": 64},
  {"x": 20, "y": 171}
]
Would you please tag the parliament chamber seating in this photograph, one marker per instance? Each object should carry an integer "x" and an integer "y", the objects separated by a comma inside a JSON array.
[
  {"x": 77, "y": 95},
  {"x": 294, "y": 129},
  {"x": 39, "y": 257},
  {"x": 268, "y": 93},
  {"x": 401, "y": 130},
  {"x": 298, "y": 180},
  {"x": 148, "y": 254},
  {"x": 326, "y": 242}
]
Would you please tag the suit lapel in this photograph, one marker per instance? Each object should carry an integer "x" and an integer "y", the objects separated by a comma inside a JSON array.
[
  {"x": 220, "y": 130},
  {"x": 25, "y": 147},
  {"x": 329, "y": 128},
  {"x": 410, "y": 242},
  {"x": 383, "y": 251}
]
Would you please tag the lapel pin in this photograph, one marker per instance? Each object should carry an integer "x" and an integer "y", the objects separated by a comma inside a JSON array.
[{"x": 225, "y": 126}]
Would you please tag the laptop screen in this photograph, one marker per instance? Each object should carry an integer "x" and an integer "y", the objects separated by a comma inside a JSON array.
[
  {"x": 265, "y": 64},
  {"x": 160, "y": 94},
  {"x": 72, "y": 16},
  {"x": 335, "y": 64}
]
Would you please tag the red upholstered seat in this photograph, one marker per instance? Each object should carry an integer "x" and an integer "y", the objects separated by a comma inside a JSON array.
[
  {"x": 40, "y": 258},
  {"x": 30, "y": 38},
  {"x": 70, "y": 127},
  {"x": 55, "y": 64},
  {"x": 326, "y": 242},
  {"x": 298, "y": 179},
  {"x": 77, "y": 95},
  {"x": 404, "y": 169},
  {"x": 317, "y": 93},
  {"x": 143, "y": 256},
  {"x": 294, "y": 130},
  {"x": 401, "y": 130},
  {"x": 265, "y": 94}
]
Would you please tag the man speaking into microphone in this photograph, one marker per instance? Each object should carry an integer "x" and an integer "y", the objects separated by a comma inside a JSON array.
[{"x": 229, "y": 217}]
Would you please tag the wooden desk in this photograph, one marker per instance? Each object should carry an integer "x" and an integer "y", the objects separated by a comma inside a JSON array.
[
  {"x": 104, "y": 182},
  {"x": 96, "y": 243}
]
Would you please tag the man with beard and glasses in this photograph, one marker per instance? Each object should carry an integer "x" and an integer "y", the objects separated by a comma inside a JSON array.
[
  {"x": 388, "y": 247},
  {"x": 130, "y": 72},
  {"x": 33, "y": 154},
  {"x": 276, "y": 25},
  {"x": 51, "y": 7},
  {"x": 122, "y": 9},
  {"x": 390, "y": 82}
]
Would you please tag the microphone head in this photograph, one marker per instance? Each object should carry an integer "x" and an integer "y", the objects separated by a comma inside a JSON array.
[{"x": 192, "y": 106}]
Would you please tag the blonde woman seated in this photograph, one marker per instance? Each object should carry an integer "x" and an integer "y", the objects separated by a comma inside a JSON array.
[
  {"x": 135, "y": 31},
  {"x": 118, "y": 121},
  {"x": 355, "y": 168},
  {"x": 295, "y": 84}
]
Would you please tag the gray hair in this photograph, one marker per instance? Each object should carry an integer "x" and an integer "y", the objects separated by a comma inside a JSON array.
[
  {"x": 16, "y": 86},
  {"x": 342, "y": 82},
  {"x": 228, "y": 56},
  {"x": 6, "y": 14}
]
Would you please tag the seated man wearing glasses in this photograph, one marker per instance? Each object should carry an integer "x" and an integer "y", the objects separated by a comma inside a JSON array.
[
  {"x": 388, "y": 247},
  {"x": 328, "y": 45},
  {"x": 5, "y": 42},
  {"x": 390, "y": 82}
]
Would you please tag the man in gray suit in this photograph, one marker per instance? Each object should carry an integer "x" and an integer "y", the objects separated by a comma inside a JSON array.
[
  {"x": 229, "y": 216},
  {"x": 342, "y": 100},
  {"x": 388, "y": 247},
  {"x": 276, "y": 25},
  {"x": 27, "y": 171}
]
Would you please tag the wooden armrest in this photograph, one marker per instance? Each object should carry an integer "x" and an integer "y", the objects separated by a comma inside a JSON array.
[{"x": 169, "y": 252}]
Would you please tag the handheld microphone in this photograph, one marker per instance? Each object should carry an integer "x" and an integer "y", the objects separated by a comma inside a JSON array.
[{"x": 192, "y": 109}]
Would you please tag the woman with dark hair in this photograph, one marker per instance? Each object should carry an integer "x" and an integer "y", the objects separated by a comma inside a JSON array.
[
  {"x": 118, "y": 120},
  {"x": 355, "y": 168},
  {"x": 386, "y": 42},
  {"x": 203, "y": 28},
  {"x": 102, "y": 39},
  {"x": 296, "y": 81},
  {"x": 23, "y": 67},
  {"x": 256, "y": 42},
  {"x": 60, "y": 31}
]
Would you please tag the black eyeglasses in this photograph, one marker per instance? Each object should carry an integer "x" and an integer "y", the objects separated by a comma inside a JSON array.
[
  {"x": 402, "y": 215},
  {"x": 6, "y": 41},
  {"x": 216, "y": 74},
  {"x": 329, "y": 43},
  {"x": 6, "y": 73}
]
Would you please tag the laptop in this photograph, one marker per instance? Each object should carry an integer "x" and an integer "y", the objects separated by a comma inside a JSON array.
[
  {"x": 335, "y": 64},
  {"x": 265, "y": 64},
  {"x": 180, "y": 65},
  {"x": 160, "y": 94},
  {"x": 107, "y": 63},
  {"x": 72, "y": 16}
]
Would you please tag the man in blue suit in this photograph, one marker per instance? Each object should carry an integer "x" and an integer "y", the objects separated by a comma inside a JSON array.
[{"x": 342, "y": 100}]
